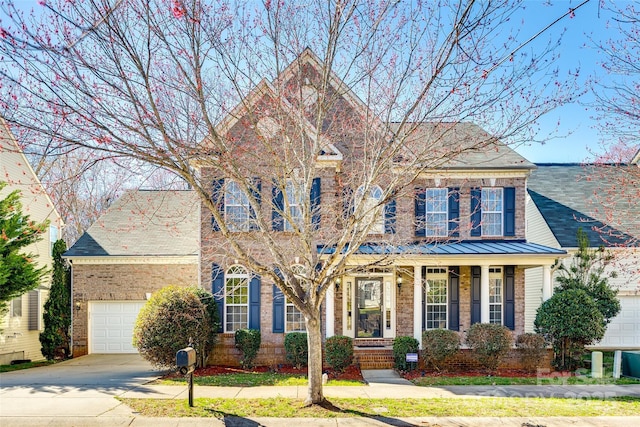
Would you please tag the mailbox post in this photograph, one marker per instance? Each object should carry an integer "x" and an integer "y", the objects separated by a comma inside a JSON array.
[{"x": 186, "y": 363}]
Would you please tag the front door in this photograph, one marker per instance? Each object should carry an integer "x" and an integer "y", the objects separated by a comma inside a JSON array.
[{"x": 369, "y": 305}]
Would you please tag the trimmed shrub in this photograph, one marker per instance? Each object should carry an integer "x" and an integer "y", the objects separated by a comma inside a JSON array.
[
  {"x": 297, "y": 348},
  {"x": 489, "y": 343},
  {"x": 248, "y": 342},
  {"x": 438, "y": 345},
  {"x": 55, "y": 337},
  {"x": 168, "y": 320},
  {"x": 402, "y": 346},
  {"x": 338, "y": 352},
  {"x": 532, "y": 348}
]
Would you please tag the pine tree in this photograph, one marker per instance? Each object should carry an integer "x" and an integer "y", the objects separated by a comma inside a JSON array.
[
  {"x": 18, "y": 271},
  {"x": 55, "y": 338}
]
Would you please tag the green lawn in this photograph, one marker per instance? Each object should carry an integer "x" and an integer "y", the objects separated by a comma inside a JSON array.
[
  {"x": 251, "y": 379},
  {"x": 9, "y": 368},
  {"x": 463, "y": 407},
  {"x": 489, "y": 380}
]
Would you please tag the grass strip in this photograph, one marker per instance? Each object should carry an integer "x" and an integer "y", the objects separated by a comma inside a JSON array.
[
  {"x": 344, "y": 408},
  {"x": 251, "y": 379},
  {"x": 490, "y": 380},
  {"x": 28, "y": 365}
]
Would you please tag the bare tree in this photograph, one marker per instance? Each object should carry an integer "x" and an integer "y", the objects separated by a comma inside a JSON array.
[{"x": 234, "y": 90}]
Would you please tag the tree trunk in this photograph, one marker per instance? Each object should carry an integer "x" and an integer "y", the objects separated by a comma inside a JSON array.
[{"x": 314, "y": 340}]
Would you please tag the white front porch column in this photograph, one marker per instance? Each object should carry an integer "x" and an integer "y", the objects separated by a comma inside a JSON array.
[
  {"x": 547, "y": 290},
  {"x": 330, "y": 315},
  {"x": 417, "y": 304},
  {"x": 484, "y": 294}
]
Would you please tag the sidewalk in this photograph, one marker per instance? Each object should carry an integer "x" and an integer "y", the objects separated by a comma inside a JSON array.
[{"x": 83, "y": 406}]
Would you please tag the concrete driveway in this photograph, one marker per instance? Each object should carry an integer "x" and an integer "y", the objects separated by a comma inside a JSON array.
[{"x": 85, "y": 386}]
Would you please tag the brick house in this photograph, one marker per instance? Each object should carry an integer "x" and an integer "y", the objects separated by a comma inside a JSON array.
[
  {"x": 454, "y": 246},
  {"x": 459, "y": 254}
]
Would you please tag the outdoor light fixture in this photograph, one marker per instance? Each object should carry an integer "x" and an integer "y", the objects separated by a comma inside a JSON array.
[
  {"x": 337, "y": 283},
  {"x": 78, "y": 305},
  {"x": 399, "y": 281}
]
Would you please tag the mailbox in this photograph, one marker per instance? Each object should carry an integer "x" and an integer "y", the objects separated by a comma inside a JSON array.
[{"x": 186, "y": 360}]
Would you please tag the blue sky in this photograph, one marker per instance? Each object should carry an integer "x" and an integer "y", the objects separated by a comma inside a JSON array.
[{"x": 572, "y": 124}]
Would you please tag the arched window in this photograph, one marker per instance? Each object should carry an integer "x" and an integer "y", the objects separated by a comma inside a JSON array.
[
  {"x": 372, "y": 209},
  {"x": 236, "y": 298}
]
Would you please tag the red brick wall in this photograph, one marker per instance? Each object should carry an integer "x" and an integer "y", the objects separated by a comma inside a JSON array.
[{"x": 120, "y": 282}]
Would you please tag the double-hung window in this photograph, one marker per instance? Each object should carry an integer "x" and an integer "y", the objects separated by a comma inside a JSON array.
[
  {"x": 295, "y": 201},
  {"x": 236, "y": 299},
  {"x": 492, "y": 211},
  {"x": 372, "y": 209},
  {"x": 236, "y": 208},
  {"x": 436, "y": 298},
  {"x": 436, "y": 224},
  {"x": 495, "y": 295},
  {"x": 294, "y": 320}
]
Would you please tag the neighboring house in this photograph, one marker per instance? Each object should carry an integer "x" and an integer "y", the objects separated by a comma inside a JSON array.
[
  {"x": 21, "y": 327},
  {"x": 566, "y": 197},
  {"x": 463, "y": 254},
  {"x": 145, "y": 241}
]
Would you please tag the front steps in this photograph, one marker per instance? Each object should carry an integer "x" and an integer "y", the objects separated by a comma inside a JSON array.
[{"x": 373, "y": 353}]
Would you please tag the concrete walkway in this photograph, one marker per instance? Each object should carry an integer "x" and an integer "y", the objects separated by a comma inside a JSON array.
[{"x": 68, "y": 404}]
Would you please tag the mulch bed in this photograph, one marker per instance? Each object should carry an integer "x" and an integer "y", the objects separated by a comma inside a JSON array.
[{"x": 509, "y": 373}]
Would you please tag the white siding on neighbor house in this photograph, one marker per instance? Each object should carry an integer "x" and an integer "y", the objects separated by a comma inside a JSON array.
[
  {"x": 532, "y": 296},
  {"x": 18, "y": 340},
  {"x": 537, "y": 230}
]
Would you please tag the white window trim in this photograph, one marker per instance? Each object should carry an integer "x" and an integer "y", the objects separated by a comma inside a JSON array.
[
  {"x": 235, "y": 275},
  {"x": 373, "y": 210},
  {"x": 16, "y": 300},
  {"x": 496, "y": 273},
  {"x": 293, "y": 200},
  {"x": 485, "y": 211},
  {"x": 438, "y": 273},
  {"x": 232, "y": 223},
  {"x": 288, "y": 304},
  {"x": 443, "y": 231}
]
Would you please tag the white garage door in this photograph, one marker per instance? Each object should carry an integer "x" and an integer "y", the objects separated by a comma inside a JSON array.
[
  {"x": 624, "y": 329},
  {"x": 111, "y": 326}
]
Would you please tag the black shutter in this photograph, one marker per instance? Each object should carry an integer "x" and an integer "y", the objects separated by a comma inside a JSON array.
[
  {"x": 475, "y": 294},
  {"x": 476, "y": 212},
  {"x": 217, "y": 196},
  {"x": 454, "y": 212},
  {"x": 509, "y": 297},
  {"x": 254, "y": 303},
  {"x": 278, "y": 311},
  {"x": 277, "y": 208},
  {"x": 390, "y": 217},
  {"x": 315, "y": 195},
  {"x": 217, "y": 289},
  {"x": 454, "y": 298},
  {"x": 421, "y": 212},
  {"x": 509, "y": 211}
]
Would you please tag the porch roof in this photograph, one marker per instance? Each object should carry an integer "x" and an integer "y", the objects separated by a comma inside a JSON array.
[{"x": 465, "y": 248}]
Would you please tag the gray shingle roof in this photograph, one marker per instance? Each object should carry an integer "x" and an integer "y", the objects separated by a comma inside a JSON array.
[
  {"x": 144, "y": 223},
  {"x": 571, "y": 196},
  {"x": 460, "y": 145}
]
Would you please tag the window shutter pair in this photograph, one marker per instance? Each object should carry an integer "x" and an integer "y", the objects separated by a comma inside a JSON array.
[
  {"x": 453, "y": 210},
  {"x": 508, "y": 291},
  {"x": 217, "y": 197},
  {"x": 509, "y": 211},
  {"x": 277, "y": 196},
  {"x": 218, "y": 290}
]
